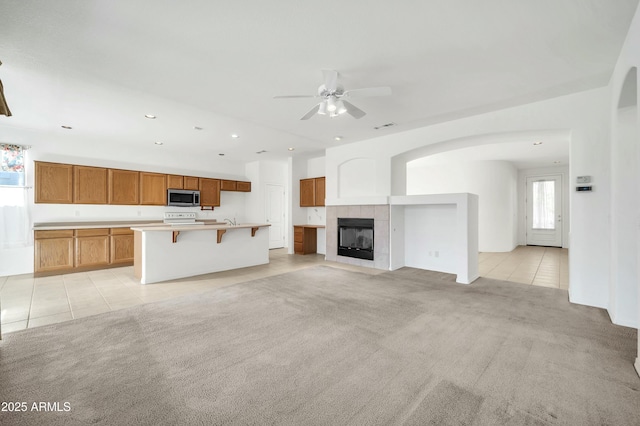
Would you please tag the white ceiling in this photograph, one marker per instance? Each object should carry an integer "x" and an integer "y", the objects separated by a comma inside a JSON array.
[{"x": 99, "y": 66}]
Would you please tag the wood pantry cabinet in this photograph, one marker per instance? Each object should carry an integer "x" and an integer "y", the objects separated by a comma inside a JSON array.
[
  {"x": 209, "y": 192},
  {"x": 312, "y": 192},
  {"x": 54, "y": 183},
  {"x": 90, "y": 185},
  {"x": 153, "y": 189},
  {"x": 124, "y": 187}
]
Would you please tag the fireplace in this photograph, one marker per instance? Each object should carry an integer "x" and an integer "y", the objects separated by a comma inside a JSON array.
[{"x": 355, "y": 238}]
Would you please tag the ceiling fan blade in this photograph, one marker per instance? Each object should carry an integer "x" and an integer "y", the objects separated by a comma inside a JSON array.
[
  {"x": 353, "y": 110},
  {"x": 330, "y": 80},
  {"x": 295, "y": 96},
  {"x": 311, "y": 113},
  {"x": 370, "y": 91}
]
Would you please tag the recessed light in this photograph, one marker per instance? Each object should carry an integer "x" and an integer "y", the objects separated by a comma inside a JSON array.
[
  {"x": 557, "y": 162},
  {"x": 260, "y": 152},
  {"x": 235, "y": 136},
  {"x": 537, "y": 143},
  {"x": 221, "y": 154},
  {"x": 67, "y": 127},
  {"x": 291, "y": 149},
  {"x": 150, "y": 116},
  {"x": 338, "y": 138},
  {"x": 159, "y": 143},
  {"x": 197, "y": 128}
]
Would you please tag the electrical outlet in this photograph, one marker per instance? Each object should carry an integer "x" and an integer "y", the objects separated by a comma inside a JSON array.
[
  {"x": 430, "y": 253},
  {"x": 437, "y": 253},
  {"x": 77, "y": 212},
  {"x": 139, "y": 213}
]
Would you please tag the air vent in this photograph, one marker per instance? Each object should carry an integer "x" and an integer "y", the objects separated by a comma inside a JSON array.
[{"x": 384, "y": 126}]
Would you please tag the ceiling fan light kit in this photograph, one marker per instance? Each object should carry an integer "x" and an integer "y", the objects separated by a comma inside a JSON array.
[{"x": 332, "y": 96}]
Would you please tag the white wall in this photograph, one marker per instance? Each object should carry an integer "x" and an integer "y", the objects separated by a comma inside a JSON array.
[
  {"x": 428, "y": 242},
  {"x": 495, "y": 182},
  {"x": 522, "y": 194},
  {"x": 625, "y": 177},
  {"x": 581, "y": 116}
]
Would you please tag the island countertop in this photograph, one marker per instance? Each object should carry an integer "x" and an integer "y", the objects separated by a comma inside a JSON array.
[
  {"x": 51, "y": 226},
  {"x": 205, "y": 227}
]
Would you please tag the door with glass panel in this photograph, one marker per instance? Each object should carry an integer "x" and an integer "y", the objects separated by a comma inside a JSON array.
[{"x": 544, "y": 211}]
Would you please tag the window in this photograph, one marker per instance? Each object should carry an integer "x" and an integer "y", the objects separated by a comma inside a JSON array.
[
  {"x": 12, "y": 165},
  {"x": 15, "y": 223},
  {"x": 544, "y": 205}
]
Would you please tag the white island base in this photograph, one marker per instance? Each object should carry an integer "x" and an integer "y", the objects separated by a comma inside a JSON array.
[{"x": 164, "y": 253}]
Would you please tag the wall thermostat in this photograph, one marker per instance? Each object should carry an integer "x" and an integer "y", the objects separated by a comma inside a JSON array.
[
  {"x": 587, "y": 188},
  {"x": 583, "y": 179}
]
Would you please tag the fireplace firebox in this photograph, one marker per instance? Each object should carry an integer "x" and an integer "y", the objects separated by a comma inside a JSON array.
[{"x": 355, "y": 238}]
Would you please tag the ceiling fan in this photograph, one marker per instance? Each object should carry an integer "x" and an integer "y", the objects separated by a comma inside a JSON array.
[{"x": 334, "y": 97}]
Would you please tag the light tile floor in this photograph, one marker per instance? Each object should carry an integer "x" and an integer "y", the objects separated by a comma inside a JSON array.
[
  {"x": 542, "y": 266},
  {"x": 29, "y": 302}
]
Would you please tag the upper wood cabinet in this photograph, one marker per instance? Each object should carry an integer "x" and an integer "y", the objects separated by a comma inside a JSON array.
[
  {"x": 124, "y": 187},
  {"x": 192, "y": 183},
  {"x": 312, "y": 192},
  {"x": 319, "y": 191},
  {"x": 209, "y": 192},
  {"x": 54, "y": 183},
  {"x": 90, "y": 185},
  {"x": 228, "y": 185},
  {"x": 175, "y": 182},
  {"x": 243, "y": 186},
  {"x": 153, "y": 189}
]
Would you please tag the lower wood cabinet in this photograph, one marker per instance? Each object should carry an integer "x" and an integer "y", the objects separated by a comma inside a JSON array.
[
  {"x": 92, "y": 247},
  {"x": 121, "y": 246},
  {"x": 68, "y": 250},
  {"x": 53, "y": 250},
  {"x": 305, "y": 240}
]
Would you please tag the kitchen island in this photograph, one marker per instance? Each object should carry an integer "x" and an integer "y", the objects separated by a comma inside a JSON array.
[{"x": 167, "y": 252}]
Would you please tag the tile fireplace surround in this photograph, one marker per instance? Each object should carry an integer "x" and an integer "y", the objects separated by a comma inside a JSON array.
[{"x": 380, "y": 215}]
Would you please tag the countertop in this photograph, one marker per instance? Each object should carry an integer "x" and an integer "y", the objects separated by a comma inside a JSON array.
[
  {"x": 206, "y": 227},
  {"x": 50, "y": 226},
  {"x": 310, "y": 226}
]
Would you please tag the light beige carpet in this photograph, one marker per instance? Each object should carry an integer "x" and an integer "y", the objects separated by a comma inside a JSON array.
[{"x": 331, "y": 347}]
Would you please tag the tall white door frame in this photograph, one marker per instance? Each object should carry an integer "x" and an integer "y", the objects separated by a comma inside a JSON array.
[
  {"x": 550, "y": 234},
  {"x": 275, "y": 214}
]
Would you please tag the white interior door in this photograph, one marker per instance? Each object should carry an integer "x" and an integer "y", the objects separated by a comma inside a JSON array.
[
  {"x": 275, "y": 215},
  {"x": 544, "y": 211}
]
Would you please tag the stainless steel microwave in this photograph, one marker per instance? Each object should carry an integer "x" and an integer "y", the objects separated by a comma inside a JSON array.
[{"x": 183, "y": 198}]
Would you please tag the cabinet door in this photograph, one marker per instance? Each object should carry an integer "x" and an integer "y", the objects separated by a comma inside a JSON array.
[
  {"x": 90, "y": 185},
  {"x": 122, "y": 248},
  {"x": 192, "y": 183},
  {"x": 153, "y": 189},
  {"x": 243, "y": 186},
  {"x": 175, "y": 182},
  {"x": 320, "y": 191},
  {"x": 53, "y": 183},
  {"x": 123, "y": 187},
  {"x": 53, "y": 254},
  {"x": 209, "y": 192},
  {"x": 307, "y": 190},
  {"x": 228, "y": 185},
  {"x": 92, "y": 251}
]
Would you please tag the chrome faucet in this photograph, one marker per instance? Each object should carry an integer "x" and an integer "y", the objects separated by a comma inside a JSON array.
[{"x": 231, "y": 222}]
